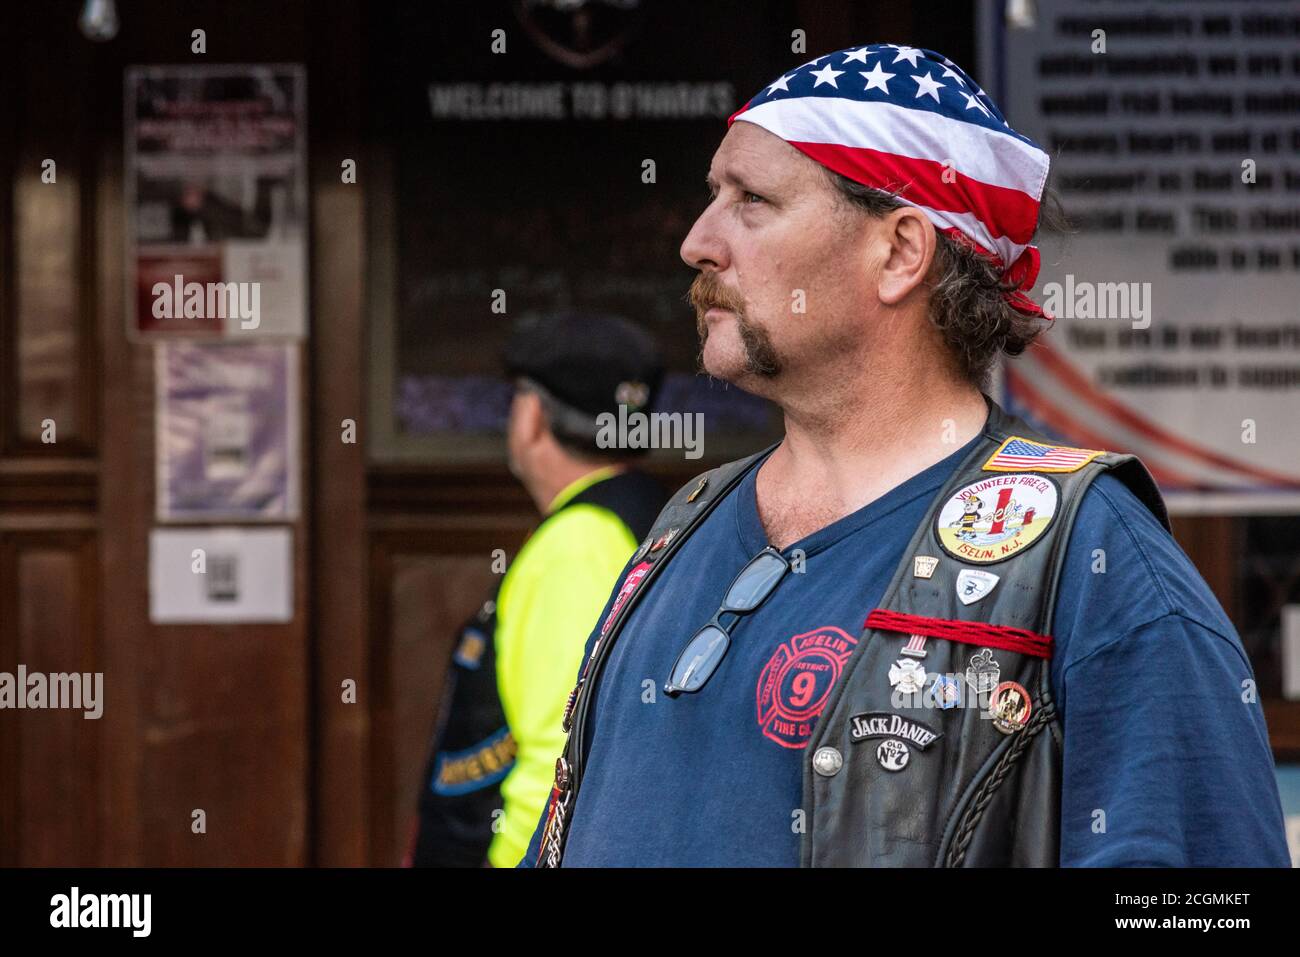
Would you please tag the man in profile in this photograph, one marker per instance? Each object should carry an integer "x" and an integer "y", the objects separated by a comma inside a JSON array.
[
  {"x": 915, "y": 632},
  {"x": 500, "y": 732}
]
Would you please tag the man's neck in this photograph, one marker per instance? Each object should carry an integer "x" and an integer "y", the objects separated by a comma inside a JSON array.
[
  {"x": 842, "y": 452},
  {"x": 562, "y": 474}
]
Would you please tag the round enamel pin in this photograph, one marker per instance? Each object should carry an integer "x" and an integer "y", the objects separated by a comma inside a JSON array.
[
  {"x": 1010, "y": 707},
  {"x": 893, "y": 754},
  {"x": 996, "y": 518}
]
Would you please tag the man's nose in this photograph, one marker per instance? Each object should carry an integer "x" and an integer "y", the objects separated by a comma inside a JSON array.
[{"x": 703, "y": 247}]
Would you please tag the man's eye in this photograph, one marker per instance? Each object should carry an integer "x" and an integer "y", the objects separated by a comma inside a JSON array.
[{"x": 754, "y": 198}]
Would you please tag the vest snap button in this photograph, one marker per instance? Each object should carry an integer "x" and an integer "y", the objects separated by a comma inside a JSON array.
[{"x": 827, "y": 762}]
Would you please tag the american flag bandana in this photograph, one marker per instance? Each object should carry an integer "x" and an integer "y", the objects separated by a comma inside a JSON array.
[{"x": 898, "y": 118}]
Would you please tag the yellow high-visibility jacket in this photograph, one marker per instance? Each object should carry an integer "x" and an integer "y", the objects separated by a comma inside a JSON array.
[{"x": 548, "y": 604}]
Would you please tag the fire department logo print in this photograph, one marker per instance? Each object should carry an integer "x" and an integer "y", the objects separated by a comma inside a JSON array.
[
  {"x": 993, "y": 519},
  {"x": 795, "y": 682}
]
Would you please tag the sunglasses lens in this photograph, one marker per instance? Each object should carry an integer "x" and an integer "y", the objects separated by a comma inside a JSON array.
[
  {"x": 698, "y": 660},
  {"x": 755, "y": 582}
]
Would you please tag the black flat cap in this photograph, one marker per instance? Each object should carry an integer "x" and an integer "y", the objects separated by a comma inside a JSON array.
[{"x": 591, "y": 361}]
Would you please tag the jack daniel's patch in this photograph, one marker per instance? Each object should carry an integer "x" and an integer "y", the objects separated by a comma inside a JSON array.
[
  {"x": 995, "y": 518},
  {"x": 884, "y": 724}
]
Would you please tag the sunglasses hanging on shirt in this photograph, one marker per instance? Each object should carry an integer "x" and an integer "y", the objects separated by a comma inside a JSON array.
[{"x": 706, "y": 649}]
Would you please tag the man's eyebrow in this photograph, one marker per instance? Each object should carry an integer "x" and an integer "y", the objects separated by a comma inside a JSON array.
[{"x": 730, "y": 176}]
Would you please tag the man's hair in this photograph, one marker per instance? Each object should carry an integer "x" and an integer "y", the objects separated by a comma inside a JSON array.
[
  {"x": 574, "y": 430},
  {"x": 966, "y": 292}
]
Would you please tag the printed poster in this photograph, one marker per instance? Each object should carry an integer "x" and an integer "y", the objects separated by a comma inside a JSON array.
[
  {"x": 1173, "y": 129},
  {"x": 216, "y": 201},
  {"x": 227, "y": 431}
]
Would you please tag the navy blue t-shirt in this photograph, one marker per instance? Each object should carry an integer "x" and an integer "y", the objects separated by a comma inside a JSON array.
[{"x": 1161, "y": 732}]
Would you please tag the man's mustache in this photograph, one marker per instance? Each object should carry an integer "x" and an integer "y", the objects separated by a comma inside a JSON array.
[{"x": 708, "y": 292}]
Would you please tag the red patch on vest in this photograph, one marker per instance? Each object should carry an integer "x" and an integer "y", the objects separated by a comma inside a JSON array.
[
  {"x": 797, "y": 679},
  {"x": 625, "y": 592}
]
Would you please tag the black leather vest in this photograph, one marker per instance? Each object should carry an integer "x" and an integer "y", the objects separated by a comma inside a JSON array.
[{"x": 939, "y": 745}]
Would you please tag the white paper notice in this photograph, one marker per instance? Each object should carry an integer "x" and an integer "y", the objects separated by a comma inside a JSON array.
[{"x": 220, "y": 574}]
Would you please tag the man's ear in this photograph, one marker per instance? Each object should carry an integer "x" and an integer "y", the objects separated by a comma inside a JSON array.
[
  {"x": 910, "y": 239},
  {"x": 532, "y": 417}
]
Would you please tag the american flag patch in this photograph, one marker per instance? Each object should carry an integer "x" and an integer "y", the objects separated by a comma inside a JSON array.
[{"x": 1022, "y": 455}]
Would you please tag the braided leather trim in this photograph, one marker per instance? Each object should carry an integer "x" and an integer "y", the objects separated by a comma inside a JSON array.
[{"x": 975, "y": 810}]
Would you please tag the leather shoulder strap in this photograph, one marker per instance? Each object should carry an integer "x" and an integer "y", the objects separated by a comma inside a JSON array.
[
  {"x": 694, "y": 500},
  {"x": 1007, "y": 510},
  {"x": 678, "y": 520},
  {"x": 1127, "y": 468},
  {"x": 683, "y": 514},
  {"x": 1130, "y": 470}
]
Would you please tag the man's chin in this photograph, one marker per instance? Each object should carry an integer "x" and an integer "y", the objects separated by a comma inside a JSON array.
[
  {"x": 729, "y": 366},
  {"x": 722, "y": 361}
]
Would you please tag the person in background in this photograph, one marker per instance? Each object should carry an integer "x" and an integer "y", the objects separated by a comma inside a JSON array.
[{"x": 500, "y": 732}]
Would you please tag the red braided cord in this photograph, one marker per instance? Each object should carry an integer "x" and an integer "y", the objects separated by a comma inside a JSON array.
[{"x": 1019, "y": 640}]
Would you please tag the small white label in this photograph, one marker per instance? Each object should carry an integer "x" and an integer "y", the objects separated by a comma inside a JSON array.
[{"x": 247, "y": 575}]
